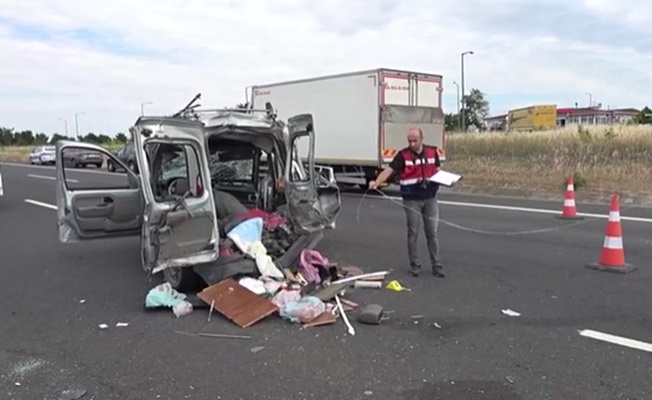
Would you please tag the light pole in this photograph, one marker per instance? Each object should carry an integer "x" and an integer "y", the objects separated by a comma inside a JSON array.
[
  {"x": 65, "y": 125},
  {"x": 463, "y": 120},
  {"x": 590, "y": 99},
  {"x": 458, "y": 103},
  {"x": 142, "y": 107},
  {"x": 77, "y": 125}
]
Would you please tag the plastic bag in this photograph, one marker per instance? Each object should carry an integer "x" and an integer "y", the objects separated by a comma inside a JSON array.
[
  {"x": 282, "y": 298},
  {"x": 303, "y": 310}
]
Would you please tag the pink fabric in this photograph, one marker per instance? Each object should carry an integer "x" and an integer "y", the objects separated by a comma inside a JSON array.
[
  {"x": 271, "y": 221},
  {"x": 309, "y": 262}
]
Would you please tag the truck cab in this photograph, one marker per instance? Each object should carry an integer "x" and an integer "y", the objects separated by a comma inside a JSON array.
[{"x": 190, "y": 166}]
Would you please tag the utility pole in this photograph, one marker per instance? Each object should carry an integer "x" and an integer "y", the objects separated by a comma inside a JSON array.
[
  {"x": 65, "y": 125},
  {"x": 142, "y": 107},
  {"x": 463, "y": 118},
  {"x": 77, "y": 125},
  {"x": 458, "y": 104}
]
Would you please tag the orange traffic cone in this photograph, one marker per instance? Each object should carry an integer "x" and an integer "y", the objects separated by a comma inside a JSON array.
[
  {"x": 612, "y": 257},
  {"x": 570, "y": 210}
]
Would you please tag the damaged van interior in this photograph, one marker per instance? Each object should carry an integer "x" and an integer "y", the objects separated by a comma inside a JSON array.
[{"x": 200, "y": 174}]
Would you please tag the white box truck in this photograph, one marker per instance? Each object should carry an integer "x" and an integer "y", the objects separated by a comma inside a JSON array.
[{"x": 361, "y": 118}]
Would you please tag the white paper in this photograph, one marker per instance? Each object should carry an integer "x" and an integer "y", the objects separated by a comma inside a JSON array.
[{"x": 445, "y": 178}]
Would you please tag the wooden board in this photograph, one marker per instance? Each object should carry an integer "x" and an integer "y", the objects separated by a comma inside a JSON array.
[
  {"x": 325, "y": 318},
  {"x": 237, "y": 303}
]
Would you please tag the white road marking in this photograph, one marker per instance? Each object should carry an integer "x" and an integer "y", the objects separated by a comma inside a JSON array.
[
  {"x": 510, "y": 208},
  {"x": 50, "y": 178},
  {"x": 40, "y": 204},
  {"x": 51, "y": 168},
  {"x": 631, "y": 343}
]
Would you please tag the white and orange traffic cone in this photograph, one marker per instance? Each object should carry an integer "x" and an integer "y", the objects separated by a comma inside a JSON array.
[
  {"x": 612, "y": 256},
  {"x": 570, "y": 209}
]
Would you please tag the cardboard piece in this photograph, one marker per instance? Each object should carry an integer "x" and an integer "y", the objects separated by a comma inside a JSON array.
[
  {"x": 325, "y": 318},
  {"x": 237, "y": 303}
]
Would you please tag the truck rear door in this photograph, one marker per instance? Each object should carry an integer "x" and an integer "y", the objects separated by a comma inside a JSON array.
[{"x": 409, "y": 99}]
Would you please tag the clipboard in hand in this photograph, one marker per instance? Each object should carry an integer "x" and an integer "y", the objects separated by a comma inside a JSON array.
[{"x": 445, "y": 178}]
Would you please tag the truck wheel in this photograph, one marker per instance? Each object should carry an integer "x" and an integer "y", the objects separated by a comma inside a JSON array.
[
  {"x": 109, "y": 166},
  {"x": 183, "y": 279}
]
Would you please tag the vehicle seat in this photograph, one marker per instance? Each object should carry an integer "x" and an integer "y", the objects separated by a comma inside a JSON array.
[{"x": 266, "y": 193}]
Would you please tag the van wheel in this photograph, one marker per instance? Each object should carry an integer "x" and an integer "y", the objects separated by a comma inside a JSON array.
[
  {"x": 183, "y": 279},
  {"x": 109, "y": 166}
]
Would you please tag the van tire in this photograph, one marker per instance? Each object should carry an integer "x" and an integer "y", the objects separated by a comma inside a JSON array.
[{"x": 182, "y": 279}]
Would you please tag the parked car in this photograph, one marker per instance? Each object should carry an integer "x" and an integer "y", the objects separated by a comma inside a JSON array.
[
  {"x": 81, "y": 158},
  {"x": 188, "y": 164},
  {"x": 127, "y": 155},
  {"x": 43, "y": 155}
]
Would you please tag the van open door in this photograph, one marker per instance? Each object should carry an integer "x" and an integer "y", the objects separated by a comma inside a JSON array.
[
  {"x": 92, "y": 205},
  {"x": 180, "y": 226},
  {"x": 313, "y": 199}
]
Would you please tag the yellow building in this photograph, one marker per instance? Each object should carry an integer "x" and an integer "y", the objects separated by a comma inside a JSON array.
[{"x": 532, "y": 118}]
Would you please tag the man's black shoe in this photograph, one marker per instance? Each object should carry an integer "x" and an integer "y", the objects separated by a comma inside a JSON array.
[
  {"x": 438, "y": 271},
  {"x": 414, "y": 271}
]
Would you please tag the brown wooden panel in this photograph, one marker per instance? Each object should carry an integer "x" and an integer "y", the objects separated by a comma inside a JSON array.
[{"x": 237, "y": 303}]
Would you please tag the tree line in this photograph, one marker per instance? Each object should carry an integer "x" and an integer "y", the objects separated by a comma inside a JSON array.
[{"x": 12, "y": 137}]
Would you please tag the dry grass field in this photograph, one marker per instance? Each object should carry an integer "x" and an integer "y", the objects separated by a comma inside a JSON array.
[{"x": 603, "y": 160}]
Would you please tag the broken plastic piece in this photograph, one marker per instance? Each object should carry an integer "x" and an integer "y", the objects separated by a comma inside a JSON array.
[
  {"x": 103, "y": 326},
  {"x": 371, "y": 314},
  {"x": 395, "y": 286},
  {"x": 511, "y": 313},
  {"x": 72, "y": 394},
  {"x": 344, "y": 317},
  {"x": 121, "y": 324}
]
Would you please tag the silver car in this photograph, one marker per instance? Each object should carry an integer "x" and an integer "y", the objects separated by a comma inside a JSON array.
[
  {"x": 43, "y": 155},
  {"x": 172, "y": 203}
]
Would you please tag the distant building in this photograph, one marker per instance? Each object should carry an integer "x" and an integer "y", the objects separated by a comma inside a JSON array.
[
  {"x": 594, "y": 116},
  {"x": 570, "y": 116}
]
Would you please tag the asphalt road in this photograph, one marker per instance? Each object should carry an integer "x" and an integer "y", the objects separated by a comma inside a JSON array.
[{"x": 54, "y": 296}]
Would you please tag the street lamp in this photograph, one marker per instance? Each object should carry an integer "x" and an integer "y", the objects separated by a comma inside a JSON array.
[
  {"x": 590, "y": 99},
  {"x": 458, "y": 103},
  {"x": 77, "y": 125},
  {"x": 65, "y": 125},
  {"x": 142, "y": 107},
  {"x": 463, "y": 121}
]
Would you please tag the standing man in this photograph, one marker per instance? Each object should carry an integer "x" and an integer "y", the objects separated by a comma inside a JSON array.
[{"x": 414, "y": 165}]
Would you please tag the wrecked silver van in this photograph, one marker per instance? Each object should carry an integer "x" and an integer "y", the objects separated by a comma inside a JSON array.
[{"x": 195, "y": 170}]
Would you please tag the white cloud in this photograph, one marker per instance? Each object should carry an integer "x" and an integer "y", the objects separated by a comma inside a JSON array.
[{"x": 68, "y": 56}]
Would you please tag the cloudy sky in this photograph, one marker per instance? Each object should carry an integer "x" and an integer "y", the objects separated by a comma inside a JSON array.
[{"x": 106, "y": 58}]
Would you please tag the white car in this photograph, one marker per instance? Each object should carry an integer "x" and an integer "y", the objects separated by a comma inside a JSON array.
[{"x": 43, "y": 155}]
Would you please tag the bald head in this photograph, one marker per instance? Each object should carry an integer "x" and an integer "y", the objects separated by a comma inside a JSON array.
[{"x": 415, "y": 139}]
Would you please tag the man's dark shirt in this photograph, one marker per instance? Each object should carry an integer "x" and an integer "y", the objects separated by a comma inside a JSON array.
[{"x": 398, "y": 164}]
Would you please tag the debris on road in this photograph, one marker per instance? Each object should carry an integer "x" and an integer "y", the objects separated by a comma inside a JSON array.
[
  {"x": 265, "y": 268},
  {"x": 121, "y": 324},
  {"x": 371, "y": 314},
  {"x": 256, "y": 349},
  {"x": 511, "y": 313},
  {"x": 213, "y": 335},
  {"x": 396, "y": 286},
  {"x": 164, "y": 295},
  {"x": 103, "y": 326},
  {"x": 72, "y": 394}
]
